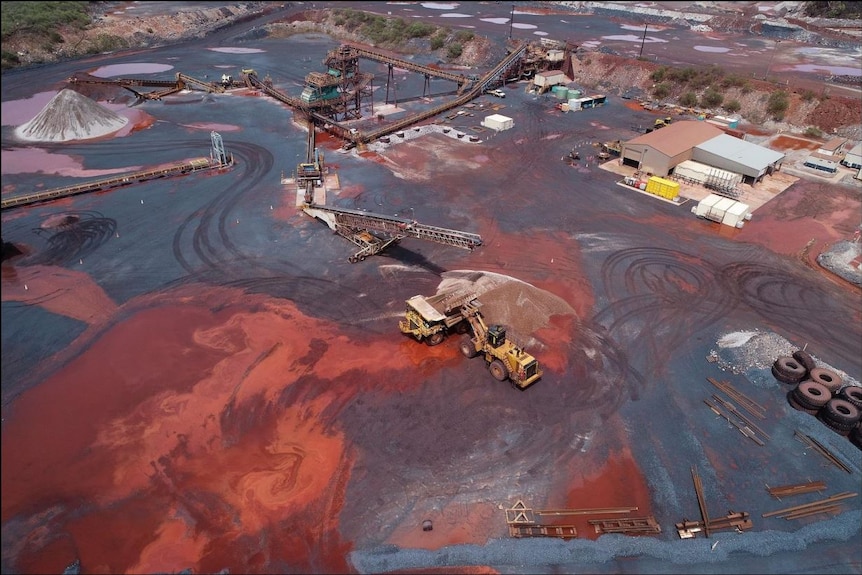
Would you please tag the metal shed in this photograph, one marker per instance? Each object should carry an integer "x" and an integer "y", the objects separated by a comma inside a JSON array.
[
  {"x": 545, "y": 80},
  {"x": 853, "y": 158},
  {"x": 658, "y": 152},
  {"x": 735, "y": 155}
]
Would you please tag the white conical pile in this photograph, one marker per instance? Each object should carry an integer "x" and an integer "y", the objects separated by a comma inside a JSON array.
[{"x": 70, "y": 116}]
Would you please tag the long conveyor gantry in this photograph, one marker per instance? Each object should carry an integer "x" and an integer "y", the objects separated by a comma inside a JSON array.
[{"x": 372, "y": 233}]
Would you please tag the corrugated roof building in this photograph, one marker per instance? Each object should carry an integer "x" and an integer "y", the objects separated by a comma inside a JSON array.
[
  {"x": 833, "y": 147},
  {"x": 853, "y": 158},
  {"x": 738, "y": 156},
  {"x": 659, "y": 151}
]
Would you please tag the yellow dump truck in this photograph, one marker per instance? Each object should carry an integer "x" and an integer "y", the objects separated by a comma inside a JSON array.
[{"x": 432, "y": 319}]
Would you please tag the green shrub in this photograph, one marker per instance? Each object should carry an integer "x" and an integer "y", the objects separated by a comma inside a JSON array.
[
  {"x": 419, "y": 30},
  {"x": 688, "y": 99},
  {"x": 41, "y": 18},
  {"x": 437, "y": 42},
  {"x": 808, "y": 95},
  {"x": 733, "y": 106},
  {"x": 463, "y": 36},
  {"x": 682, "y": 75},
  {"x": 659, "y": 74},
  {"x": 711, "y": 98},
  {"x": 733, "y": 81},
  {"x": 814, "y": 132},
  {"x": 455, "y": 50},
  {"x": 777, "y": 104},
  {"x": 107, "y": 43},
  {"x": 661, "y": 91}
]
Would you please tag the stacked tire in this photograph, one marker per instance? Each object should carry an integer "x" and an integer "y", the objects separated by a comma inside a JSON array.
[
  {"x": 821, "y": 392},
  {"x": 853, "y": 394},
  {"x": 809, "y": 396},
  {"x": 839, "y": 415},
  {"x": 827, "y": 378},
  {"x": 843, "y": 414},
  {"x": 787, "y": 369},
  {"x": 856, "y": 435}
]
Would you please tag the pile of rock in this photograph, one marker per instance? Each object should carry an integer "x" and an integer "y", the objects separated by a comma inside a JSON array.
[{"x": 822, "y": 393}]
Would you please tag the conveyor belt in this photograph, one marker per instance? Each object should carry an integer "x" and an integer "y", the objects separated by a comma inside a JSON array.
[
  {"x": 403, "y": 227},
  {"x": 375, "y": 232},
  {"x": 106, "y": 183}
]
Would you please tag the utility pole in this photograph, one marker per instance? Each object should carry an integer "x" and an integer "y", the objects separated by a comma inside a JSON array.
[
  {"x": 643, "y": 40},
  {"x": 771, "y": 58},
  {"x": 511, "y": 21}
]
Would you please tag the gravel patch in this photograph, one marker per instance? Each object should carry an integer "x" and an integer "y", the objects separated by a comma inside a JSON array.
[
  {"x": 752, "y": 353},
  {"x": 839, "y": 260}
]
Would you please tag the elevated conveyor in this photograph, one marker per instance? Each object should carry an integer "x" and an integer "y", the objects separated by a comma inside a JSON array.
[
  {"x": 255, "y": 82},
  {"x": 107, "y": 183},
  {"x": 218, "y": 159},
  {"x": 491, "y": 77},
  {"x": 459, "y": 79},
  {"x": 373, "y": 233}
]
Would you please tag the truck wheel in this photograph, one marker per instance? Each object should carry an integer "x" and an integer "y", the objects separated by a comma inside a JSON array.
[
  {"x": 790, "y": 369},
  {"x": 812, "y": 395},
  {"x": 841, "y": 413},
  {"x": 435, "y": 338},
  {"x": 782, "y": 378},
  {"x": 805, "y": 359},
  {"x": 468, "y": 348},
  {"x": 852, "y": 394},
  {"x": 498, "y": 370},
  {"x": 828, "y": 379}
]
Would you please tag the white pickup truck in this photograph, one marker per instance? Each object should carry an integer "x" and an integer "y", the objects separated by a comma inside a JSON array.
[{"x": 499, "y": 93}]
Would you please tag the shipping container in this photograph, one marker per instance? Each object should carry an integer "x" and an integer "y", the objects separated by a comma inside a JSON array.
[{"x": 663, "y": 188}]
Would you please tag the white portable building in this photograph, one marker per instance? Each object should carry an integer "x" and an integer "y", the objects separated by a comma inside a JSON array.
[
  {"x": 736, "y": 215},
  {"x": 555, "y": 55},
  {"x": 498, "y": 122},
  {"x": 705, "y": 205},
  {"x": 723, "y": 210}
]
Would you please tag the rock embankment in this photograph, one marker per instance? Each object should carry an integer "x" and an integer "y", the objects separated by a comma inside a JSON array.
[{"x": 113, "y": 28}]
